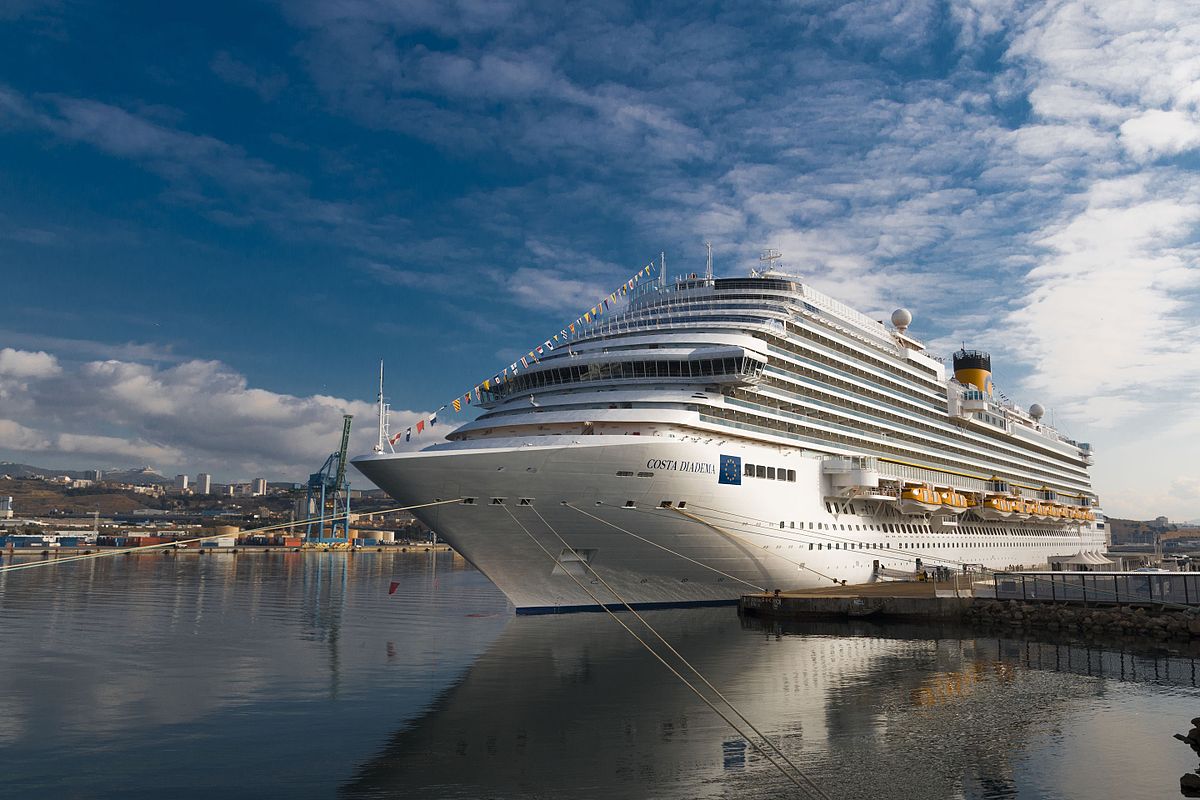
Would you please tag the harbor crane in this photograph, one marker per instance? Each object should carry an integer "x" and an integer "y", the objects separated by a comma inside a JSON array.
[{"x": 328, "y": 500}]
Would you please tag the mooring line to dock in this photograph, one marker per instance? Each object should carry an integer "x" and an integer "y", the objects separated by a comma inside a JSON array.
[
  {"x": 805, "y": 783},
  {"x": 755, "y": 547},
  {"x": 665, "y": 548},
  {"x": 670, "y": 647},
  {"x": 168, "y": 545}
]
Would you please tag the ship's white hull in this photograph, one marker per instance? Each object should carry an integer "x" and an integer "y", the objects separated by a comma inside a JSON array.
[{"x": 730, "y": 539}]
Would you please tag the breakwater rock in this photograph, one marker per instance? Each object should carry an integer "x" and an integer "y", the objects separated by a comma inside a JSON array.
[{"x": 1156, "y": 623}]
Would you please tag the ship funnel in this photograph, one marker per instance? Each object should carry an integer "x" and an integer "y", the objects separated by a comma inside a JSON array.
[{"x": 974, "y": 368}]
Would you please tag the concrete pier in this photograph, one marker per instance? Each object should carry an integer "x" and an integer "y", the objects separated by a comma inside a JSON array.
[{"x": 909, "y": 601}]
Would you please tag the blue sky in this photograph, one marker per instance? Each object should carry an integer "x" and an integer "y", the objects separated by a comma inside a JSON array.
[{"x": 214, "y": 220}]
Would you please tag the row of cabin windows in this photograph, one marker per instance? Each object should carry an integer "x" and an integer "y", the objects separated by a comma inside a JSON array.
[
  {"x": 770, "y": 473},
  {"x": 883, "y": 546}
]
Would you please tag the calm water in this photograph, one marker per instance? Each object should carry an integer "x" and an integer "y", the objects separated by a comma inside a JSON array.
[{"x": 297, "y": 675}]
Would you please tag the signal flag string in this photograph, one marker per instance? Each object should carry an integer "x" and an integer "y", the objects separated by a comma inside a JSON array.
[{"x": 563, "y": 337}]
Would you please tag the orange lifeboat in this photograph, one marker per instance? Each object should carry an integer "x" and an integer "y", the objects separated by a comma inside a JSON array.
[
  {"x": 917, "y": 498},
  {"x": 996, "y": 506},
  {"x": 952, "y": 501}
]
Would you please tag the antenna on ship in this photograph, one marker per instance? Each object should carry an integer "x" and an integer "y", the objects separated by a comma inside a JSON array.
[
  {"x": 662, "y": 270},
  {"x": 768, "y": 259},
  {"x": 708, "y": 271}
]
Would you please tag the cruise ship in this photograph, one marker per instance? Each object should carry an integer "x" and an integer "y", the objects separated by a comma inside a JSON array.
[{"x": 717, "y": 436}]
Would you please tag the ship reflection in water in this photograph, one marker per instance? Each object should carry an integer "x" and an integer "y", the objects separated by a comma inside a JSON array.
[
  {"x": 297, "y": 675},
  {"x": 573, "y": 706}
]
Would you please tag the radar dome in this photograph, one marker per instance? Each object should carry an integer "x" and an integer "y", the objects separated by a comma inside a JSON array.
[
  {"x": 901, "y": 318},
  {"x": 1036, "y": 411}
]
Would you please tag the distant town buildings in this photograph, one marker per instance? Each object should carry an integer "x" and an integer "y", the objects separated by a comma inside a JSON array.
[
  {"x": 6, "y": 508},
  {"x": 94, "y": 475},
  {"x": 203, "y": 483},
  {"x": 258, "y": 487},
  {"x": 181, "y": 483}
]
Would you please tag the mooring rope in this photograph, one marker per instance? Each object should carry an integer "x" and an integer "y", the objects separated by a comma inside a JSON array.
[
  {"x": 658, "y": 656},
  {"x": 165, "y": 545},
  {"x": 665, "y": 548},
  {"x": 723, "y": 532},
  {"x": 810, "y": 784}
]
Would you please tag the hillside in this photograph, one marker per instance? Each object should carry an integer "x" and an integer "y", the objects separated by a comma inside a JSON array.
[{"x": 136, "y": 475}]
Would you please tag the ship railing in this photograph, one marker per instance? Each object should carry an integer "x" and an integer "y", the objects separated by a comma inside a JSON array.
[{"x": 822, "y": 300}]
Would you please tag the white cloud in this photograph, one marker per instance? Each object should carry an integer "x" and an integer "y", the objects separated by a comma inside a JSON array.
[
  {"x": 1157, "y": 133},
  {"x": 16, "y": 436},
  {"x": 191, "y": 416},
  {"x": 26, "y": 364}
]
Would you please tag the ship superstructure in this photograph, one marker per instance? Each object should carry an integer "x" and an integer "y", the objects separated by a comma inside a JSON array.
[{"x": 720, "y": 433}]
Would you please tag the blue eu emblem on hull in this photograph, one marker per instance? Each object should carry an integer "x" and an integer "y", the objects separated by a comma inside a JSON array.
[{"x": 731, "y": 470}]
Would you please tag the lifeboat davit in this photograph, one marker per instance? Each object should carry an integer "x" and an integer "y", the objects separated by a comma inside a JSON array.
[{"x": 919, "y": 499}]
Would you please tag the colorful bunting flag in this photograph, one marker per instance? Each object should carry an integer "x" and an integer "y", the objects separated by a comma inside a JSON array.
[{"x": 564, "y": 335}]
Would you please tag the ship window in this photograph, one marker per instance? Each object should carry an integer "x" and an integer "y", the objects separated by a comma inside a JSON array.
[
  {"x": 749, "y": 471},
  {"x": 665, "y": 504},
  {"x": 771, "y": 473},
  {"x": 525, "y": 501},
  {"x": 645, "y": 474},
  {"x": 468, "y": 501},
  {"x": 791, "y": 475},
  {"x": 760, "y": 471},
  {"x": 781, "y": 474},
  {"x": 781, "y": 524},
  {"x": 793, "y": 524},
  {"x": 810, "y": 546},
  {"x": 497, "y": 501},
  {"x": 624, "y": 474},
  {"x": 630, "y": 504}
]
